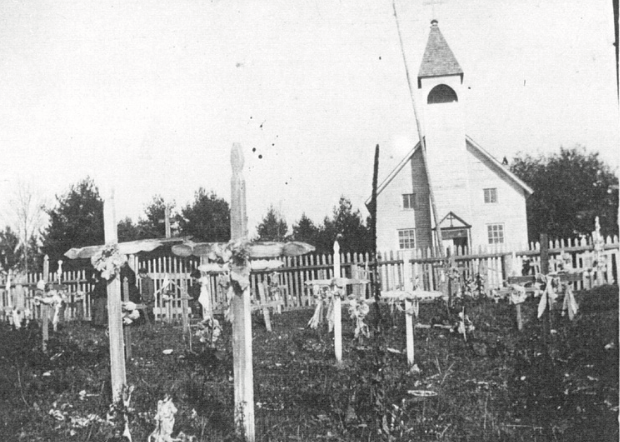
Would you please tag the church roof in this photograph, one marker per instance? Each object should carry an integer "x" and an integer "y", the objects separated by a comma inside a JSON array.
[
  {"x": 438, "y": 59},
  {"x": 499, "y": 168}
]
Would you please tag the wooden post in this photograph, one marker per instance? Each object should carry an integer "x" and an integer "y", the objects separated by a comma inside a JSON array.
[
  {"x": 598, "y": 243},
  {"x": 262, "y": 298},
  {"x": 408, "y": 287},
  {"x": 184, "y": 308},
  {"x": 167, "y": 221},
  {"x": 544, "y": 269},
  {"x": 115, "y": 321},
  {"x": 242, "y": 322},
  {"x": 45, "y": 310},
  {"x": 126, "y": 328},
  {"x": 337, "y": 308},
  {"x": 508, "y": 261}
]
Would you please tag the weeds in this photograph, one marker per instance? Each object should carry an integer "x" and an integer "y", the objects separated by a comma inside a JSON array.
[{"x": 497, "y": 385}]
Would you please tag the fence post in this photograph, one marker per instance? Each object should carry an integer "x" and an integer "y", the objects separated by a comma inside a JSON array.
[
  {"x": 337, "y": 308},
  {"x": 408, "y": 287}
]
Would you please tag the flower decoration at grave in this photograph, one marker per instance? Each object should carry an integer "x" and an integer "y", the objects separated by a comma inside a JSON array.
[
  {"x": 53, "y": 295},
  {"x": 108, "y": 261},
  {"x": 130, "y": 312},
  {"x": 358, "y": 310},
  {"x": 164, "y": 421},
  {"x": 517, "y": 294},
  {"x": 549, "y": 294},
  {"x": 474, "y": 286},
  {"x": 570, "y": 303},
  {"x": 454, "y": 273},
  {"x": 209, "y": 331},
  {"x": 324, "y": 298},
  {"x": 464, "y": 325}
]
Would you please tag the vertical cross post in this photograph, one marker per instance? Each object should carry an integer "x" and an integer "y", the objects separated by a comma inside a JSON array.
[
  {"x": 242, "y": 322},
  {"x": 598, "y": 243},
  {"x": 126, "y": 328},
  {"x": 337, "y": 308},
  {"x": 184, "y": 312},
  {"x": 544, "y": 269},
  {"x": 263, "y": 300},
  {"x": 45, "y": 310},
  {"x": 167, "y": 221},
  {"x": 508, "y": 262},
  {"x": 408, "y": 287},
  {"x": 115, "y": 321}
]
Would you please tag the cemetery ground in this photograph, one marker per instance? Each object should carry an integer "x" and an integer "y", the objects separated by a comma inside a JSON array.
[{"x": 498, "y": 385}]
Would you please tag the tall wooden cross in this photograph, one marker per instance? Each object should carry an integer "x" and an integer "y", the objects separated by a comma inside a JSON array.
[
  {"x": 115, "y": 320},
  {"x": 242, "y": 322}
]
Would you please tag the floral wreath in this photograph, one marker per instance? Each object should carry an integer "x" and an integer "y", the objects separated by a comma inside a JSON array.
[{"x": 108, "y": 261}]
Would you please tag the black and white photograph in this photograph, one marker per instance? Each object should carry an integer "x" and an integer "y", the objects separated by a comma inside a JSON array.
[{"x": 265, "y": 221}]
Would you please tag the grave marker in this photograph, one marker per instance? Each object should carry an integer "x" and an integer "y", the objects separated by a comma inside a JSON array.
[
  {"x": 242, "y": 322},
  {"x": 115, "y": 321}
]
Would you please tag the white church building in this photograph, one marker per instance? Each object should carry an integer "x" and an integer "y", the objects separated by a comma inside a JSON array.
[{"x": 479, "y": 201}]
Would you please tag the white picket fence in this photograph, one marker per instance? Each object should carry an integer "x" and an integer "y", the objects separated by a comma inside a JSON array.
[{"x": 291, "y": 278}]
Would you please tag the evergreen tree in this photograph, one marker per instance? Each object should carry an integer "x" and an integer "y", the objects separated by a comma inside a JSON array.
[
  {"x": 273, "y": 227},
  {"x": 9, "y": 255},
  {"x": 154, "y": 225},
  {"x": 207, "y": 218},
  {"x": 348, "y": 227},
  {"x": 305, "y": 231},
  {"x": 76, "y": 220}
]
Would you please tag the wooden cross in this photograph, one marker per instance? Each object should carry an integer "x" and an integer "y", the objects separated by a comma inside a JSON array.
[
  {"x": 242, "y": 325},
  {"x": 337, "y": 308},
  {"x": 527, "y": 279},
  {"x": 115, "y": 320},
  {"x": 45, "y": 310},
  {"x": 411, "y": 296}
]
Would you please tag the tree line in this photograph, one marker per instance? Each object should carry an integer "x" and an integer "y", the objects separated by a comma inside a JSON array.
[
  {"x": 76, "y": 220},
  {"x": 571, "y": 188}
]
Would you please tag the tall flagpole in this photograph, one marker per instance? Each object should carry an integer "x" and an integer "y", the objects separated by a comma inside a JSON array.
[{"x": 420, "y": 135}]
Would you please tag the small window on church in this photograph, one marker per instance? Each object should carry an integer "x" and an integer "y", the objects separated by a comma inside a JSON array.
[
  {"x": 409, "y": 201},
  {"x": 406, "y": 238},
  {"x": 496, "y": 233},
  {"x": 442, "y": 94},
  {"x": 490, "y": 195}
]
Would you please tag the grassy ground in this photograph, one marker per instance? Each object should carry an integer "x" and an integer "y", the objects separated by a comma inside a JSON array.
[{"x": 499, "y": 385}]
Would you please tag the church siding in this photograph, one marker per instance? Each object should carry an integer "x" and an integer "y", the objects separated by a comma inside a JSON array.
[
  {"x": 509, "y": 210},
  {"x": 392, "y": 216},
  {"x": 423, "y": 212}
]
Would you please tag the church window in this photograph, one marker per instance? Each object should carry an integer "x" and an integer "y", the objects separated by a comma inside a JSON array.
[
  {"x": 409, "y": 201},
  {"x": 406, "y": 238},
  {"x": 496, "y": 233},
  {"x": 490, "y": 195},
  {"x": 442, "y": 94}
]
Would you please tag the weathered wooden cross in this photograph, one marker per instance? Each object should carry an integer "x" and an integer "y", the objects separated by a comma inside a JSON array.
[
  {"x": 512, "y": 279},
  {"x": 115, "y": 321},
  {"x": 412, "y": 296}
]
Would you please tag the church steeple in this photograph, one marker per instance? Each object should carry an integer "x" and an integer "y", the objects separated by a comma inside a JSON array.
[{"x": 438, "y": 59}]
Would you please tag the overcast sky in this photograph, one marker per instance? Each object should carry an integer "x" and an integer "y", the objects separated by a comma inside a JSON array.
[{"x": 148, "y": 96}]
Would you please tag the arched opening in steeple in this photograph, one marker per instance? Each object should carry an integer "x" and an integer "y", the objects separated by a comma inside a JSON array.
[{"x": 442, "y": 94}]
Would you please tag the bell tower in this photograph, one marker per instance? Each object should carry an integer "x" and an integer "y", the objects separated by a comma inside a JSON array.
[{"x": 440, "y": 81}]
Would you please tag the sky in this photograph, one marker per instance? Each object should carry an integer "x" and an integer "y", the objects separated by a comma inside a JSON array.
[{"x": 147, "y": 97}]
